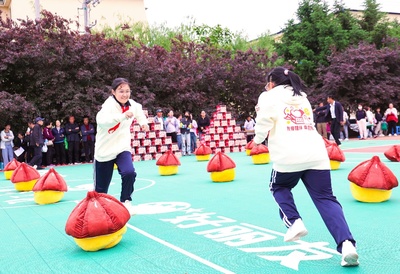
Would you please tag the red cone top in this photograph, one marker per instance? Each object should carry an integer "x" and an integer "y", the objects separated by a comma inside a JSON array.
[
  {"x": 52, "y": 180},
  {"x": 168, "y": 159},
  {"x": 203, "y": 150},
  {"x": 98, "y": 214},
  {"x": 260, "y": 149},
  {"x": 334, "y": 152},
  {"x": 12, "y": 165},
  {"x": 220, "y": 162},
  {"x": 249, "y": 145},
  {"x": 24, "y": 173},
  {"x": 373, "y": 174},
  {"x": 327, "y": 142},
  {"x": 393, "y": 153}
]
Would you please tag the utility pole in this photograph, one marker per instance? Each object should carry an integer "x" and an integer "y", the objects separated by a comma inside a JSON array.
[
  {"x": 86, "y": 14},
  {"x": 37, "y": 9}
]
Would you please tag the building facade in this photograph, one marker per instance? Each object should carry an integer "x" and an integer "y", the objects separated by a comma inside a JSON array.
[{"x": 101, "y": 12}]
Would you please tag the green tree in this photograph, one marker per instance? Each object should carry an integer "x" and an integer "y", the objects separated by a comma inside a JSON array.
[{"x": 306, "y": 44}]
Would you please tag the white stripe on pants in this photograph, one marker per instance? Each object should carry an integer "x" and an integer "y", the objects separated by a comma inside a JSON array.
[{"x": 362, "y": 128}]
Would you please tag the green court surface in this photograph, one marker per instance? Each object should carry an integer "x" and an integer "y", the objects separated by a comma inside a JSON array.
[{"x": 187, "y": 224}]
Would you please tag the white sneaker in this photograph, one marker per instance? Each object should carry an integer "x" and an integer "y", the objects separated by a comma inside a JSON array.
[
  {"x": 389, "y": 134},
  {"x": 395, "y": 134},
  {"x": 349, "y": 254},
  {"x": 295, "y": 231},
  {"x": 346, "y": 139},
  {"x": 35, "y": 166},
  {"x": 128, "y": 205}
]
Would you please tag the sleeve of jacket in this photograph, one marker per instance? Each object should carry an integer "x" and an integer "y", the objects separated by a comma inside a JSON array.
[
  {"x": 106, "y": 119},
  {"x": 3, "y": 135},
  {"x": 265, "y": 117},
  {"x": 139, "y": 114}
]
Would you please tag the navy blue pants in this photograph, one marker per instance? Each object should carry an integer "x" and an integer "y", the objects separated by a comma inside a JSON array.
[
  {"x": 103, "y": 172},
  {"x": 318, "y": 185}
]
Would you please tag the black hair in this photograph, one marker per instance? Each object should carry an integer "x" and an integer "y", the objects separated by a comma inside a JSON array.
[
  {"x": 282, "y": 76},
  {"x": 118, "y": 81},
  {"x": 86, "y": 116},
  {"x": 46, "y": 123},
  {"x": 331, "y": 96}
]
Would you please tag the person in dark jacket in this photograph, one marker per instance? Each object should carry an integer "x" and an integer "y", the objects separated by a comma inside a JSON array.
[
  {"x": 30, "y": 146},
  {"x": 72, "y": 132},
  {"x": 186, "y": 123},
  {"x": 202, "y": 124},
  {"x": 37, "y": 142},
  {"x": 59, "y": 145},
  {"x": 335, "y": 115},
  {"x": 87, "y": 131},
  {"x": 321, "y": 120},
  {"x": 20, "y": 142}
]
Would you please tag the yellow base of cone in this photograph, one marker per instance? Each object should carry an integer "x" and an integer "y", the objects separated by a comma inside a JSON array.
[
  {"x": 47, "y": 197},
  {"x": 223, "y": 176},
  {"x": 369, "y": 195},
  {"x": 8, "y": 174},
  {"x": 25, "y": 186},
  {"x": 203, "y": 157},
  {"x": 260, "y": 159},
  {"x": 101, "y": 242},
  {"x": 334, "y": 164},
  {"x": 115, "y": 166},
  {"x": 167, "y": 170},
  {"x": 248, "y": 152}
]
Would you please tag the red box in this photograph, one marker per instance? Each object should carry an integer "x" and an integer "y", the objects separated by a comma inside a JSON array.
[
  {"x": 158, "y": 141},
  {"x": 212, "y": 144},
  {"x": 224, "y": 123},
  {"x": 216, "y": 137},
  {"x": 178, "y": 154},
  {"x": 137, "y": 158},
  {"x": 146, "y": 142},
  {"x": 235, "y": 149},
  {"x": 135, "y": 143},
  {"x": 141, "y": 135},
  {"x": 163, "y": 148},
  {"x": 217, "y": 123},
  {"x": 228, "y": 116},
  {"x": 152, "y": 149},
  {"x": 175, "y": 147},
  {"x": 141, "y": 150},
  {"x": 207, "y": 138},
  {"x": 152, "y": 134},
  {"x": 136, "y": 127},
  {"x": 168, "y": 140},
  {"x": 162, "y": 134},
  {"x": 212, "y": 130},
  {"x": 220, "y": 116},
  {"x": 238, "y": 129},
  {"x": 220, "y": 130},
  {"x": 158, "y": 155},
  {"x": 147, "y": 157},
  {"x": 232, "y": 122},
  {"x": 158, "y": 126},
  {"x": 150, "y": 119}
]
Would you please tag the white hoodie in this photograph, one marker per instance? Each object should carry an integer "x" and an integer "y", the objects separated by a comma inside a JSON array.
[
  {"x": 110, "y": 143},
  {"x": 293, "y": 142}
]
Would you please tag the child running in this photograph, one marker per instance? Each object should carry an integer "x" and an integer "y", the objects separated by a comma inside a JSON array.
[
  {"x": 113, "y": 140},
  {"x": 298, "y": 152}
]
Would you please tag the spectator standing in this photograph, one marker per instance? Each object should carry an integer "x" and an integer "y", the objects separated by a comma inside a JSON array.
[
  {"x": 7, "y": 145},
  {"x": 20, "y": 142},
  {"x": 203, "y": 123},
  {"x": 335, "y": 113},
  {"x": 178, "y": 133},
  {"x": 370, "y": 122},
  {"x": 361, "y": 117},
  {"x": 249, "y": 128},
  {"x": 37, "y": 142},
  {"x": 193, "y": 134},
  {"x": 391, "y": 116},
  {"x": 378, "y": 120},
  {"x": 30, "y": 145},
  {"x": 186, "y": 123},
  {"x": 49, "y": 141},
  {"x": 345, "y": 126},
  {"x": 59, "y": 143},
  {"x": 159, "y": 119},
  {"x": 72, "y": 133},
  {"x": 321, "y": 120},
  {"x": 88, "y": 139},
  {"x": 171, "y": 125}
]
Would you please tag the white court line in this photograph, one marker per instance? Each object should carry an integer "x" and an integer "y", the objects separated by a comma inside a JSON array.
[{"x": 180, "y": 250}]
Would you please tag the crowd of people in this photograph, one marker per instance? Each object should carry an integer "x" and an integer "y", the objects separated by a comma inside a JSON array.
[
  {"x": 46, "y": 145},
  {"x": 370, "y": 124}
]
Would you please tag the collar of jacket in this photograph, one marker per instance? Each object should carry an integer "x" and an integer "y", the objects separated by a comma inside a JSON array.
[{"x": 122, "y": 105}]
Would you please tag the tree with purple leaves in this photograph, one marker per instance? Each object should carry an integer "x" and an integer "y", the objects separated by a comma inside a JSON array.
[
  {"x": 61, "y": 72},
  {"x": 363, "y": 75}
]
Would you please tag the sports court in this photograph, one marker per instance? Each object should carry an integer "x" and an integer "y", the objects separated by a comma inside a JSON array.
[{"x": 188, "y": 224}]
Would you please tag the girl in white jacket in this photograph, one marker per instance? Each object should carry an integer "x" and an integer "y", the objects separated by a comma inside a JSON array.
[
  {"x": 113, "y": 140},
  {"x": 298, "y": 152}
]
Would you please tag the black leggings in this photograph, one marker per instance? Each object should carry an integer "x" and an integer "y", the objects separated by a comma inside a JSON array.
[{"x": 391, "y": 127}]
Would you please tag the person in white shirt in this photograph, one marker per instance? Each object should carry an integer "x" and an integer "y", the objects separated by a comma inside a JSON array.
[
  {"x": 113, "y": 140},
  {"x": 249, "y": 128},
  {"x": 193, "y": 134},
  {"x": 298, "y": 152}
]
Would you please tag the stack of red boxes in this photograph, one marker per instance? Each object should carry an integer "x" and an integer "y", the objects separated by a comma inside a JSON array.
[
  {"x": 152, "y": 144},
  {"x": 223, "y": 134}
]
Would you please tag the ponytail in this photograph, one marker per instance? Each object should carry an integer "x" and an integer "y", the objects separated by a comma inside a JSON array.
[{"x": 282, "y": 76}]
